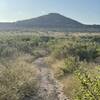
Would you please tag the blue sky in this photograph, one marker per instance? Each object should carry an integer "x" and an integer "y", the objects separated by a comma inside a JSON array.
[{"x": 85, "y": 11}]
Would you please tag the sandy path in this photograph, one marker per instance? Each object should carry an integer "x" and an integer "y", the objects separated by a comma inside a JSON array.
[{"x": 49, "y": 87}]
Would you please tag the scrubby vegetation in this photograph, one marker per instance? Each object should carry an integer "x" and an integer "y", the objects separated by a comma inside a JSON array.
[
  {"x": 17, "y": 81},
  {"x": 75, "y": 57},
  {"x": 74, "y": 60},
  {"x": 17, "y": 73}
]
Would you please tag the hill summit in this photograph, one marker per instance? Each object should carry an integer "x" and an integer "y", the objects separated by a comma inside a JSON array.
[{"x": 49, "y": 20}]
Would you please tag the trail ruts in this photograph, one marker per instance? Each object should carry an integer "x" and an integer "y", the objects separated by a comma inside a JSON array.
[{"x": 49, "y": 87}]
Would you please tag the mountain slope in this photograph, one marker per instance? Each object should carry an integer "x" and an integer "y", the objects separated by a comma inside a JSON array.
[{"x": 50, "y": 20}]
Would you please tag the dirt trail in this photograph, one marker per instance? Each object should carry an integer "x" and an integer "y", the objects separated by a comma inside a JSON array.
[{"x": 50, "y": 88}]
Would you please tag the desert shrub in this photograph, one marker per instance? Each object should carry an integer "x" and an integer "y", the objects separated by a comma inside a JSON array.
[
  {"x": 46, "y": 38},
  {"x": 17, "y": 81},
  {"x": 58, "y": 48},
  {"x": 88, "y": 78},
  {"x": 86, "y": 51},
  {"x": 70, "y": 65},
  {"x": 96, "y": 39},
  {"x": 11, "y": 46},
  {"x": 82, "y": 48},
  {"x": 39, "y": 53},
  {"x": 41, "y": 40},
  {"x": 8, "y": 52},
  {"x": 90, "y": 86},
  {"x": 60, "y": 52},
  {"x": 36, "y": 41},
  {"x": 26, "y": 39},
  {"x": 24, "y": 47}
]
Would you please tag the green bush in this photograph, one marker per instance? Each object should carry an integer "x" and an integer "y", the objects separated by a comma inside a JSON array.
[
  {"x": 8, "y": 52},
  {"x": 90, "y": 86},
  {"x": 86, "y": 51},
  {"x": 82, "y": 48},
  {"x": 71, "y": 64}
]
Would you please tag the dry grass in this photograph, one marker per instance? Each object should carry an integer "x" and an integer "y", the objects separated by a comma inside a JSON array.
[
  {"x": 56, "y": 66},
  {"x": 69, "y": 81},
  {"x": 17, "y": 80}
]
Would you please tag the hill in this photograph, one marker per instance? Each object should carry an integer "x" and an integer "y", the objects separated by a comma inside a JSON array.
[{"x": 51, "y": 21}]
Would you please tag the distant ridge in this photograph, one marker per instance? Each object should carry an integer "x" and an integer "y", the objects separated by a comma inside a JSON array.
[{"x": 51, "y": 21}]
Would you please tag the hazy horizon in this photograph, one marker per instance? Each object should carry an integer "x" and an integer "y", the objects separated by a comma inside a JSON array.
[{"x": 84, "y": 11}]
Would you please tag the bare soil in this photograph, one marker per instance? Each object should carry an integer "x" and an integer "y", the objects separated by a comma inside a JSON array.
[{"x": 49, "y": 87}]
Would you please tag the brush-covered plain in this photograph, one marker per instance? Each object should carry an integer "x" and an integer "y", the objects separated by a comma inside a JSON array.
[{"x": 74, "y": 60}]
